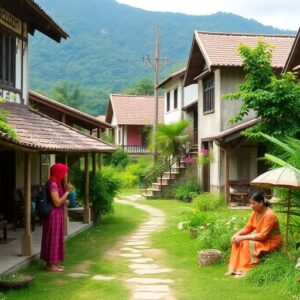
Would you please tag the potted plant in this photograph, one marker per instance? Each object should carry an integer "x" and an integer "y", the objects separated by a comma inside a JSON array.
[{"x": 15, "y": 280}]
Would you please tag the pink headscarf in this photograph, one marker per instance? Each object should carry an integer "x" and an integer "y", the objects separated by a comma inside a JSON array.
[{"x": 58, "y": 171}]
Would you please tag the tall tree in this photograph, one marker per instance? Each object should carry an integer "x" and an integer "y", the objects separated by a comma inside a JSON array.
[
  {"x": 274, "y": 99},
  {"x": 142, "y": 87}
]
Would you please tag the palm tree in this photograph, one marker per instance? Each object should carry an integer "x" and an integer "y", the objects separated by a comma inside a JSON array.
[{"x": 171, "y": 138}]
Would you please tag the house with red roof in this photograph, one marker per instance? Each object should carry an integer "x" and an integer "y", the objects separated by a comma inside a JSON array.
[
  {"x": 215, "y": 65},
  {"x": 131, "y": 117}
]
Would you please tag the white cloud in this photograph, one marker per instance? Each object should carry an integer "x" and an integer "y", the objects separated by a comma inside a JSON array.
[{"x": 278, "y": 13}]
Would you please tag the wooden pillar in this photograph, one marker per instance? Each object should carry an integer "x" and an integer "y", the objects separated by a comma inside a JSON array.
[
  {"x": 87, "y": 211},
  {"x": 100, "y": 160},
  {"x": 66, "y": 215},
  {"x": 123, "y": 136},
  {"x": 226, "y": 187},
  {"x": 26, "y": 238},
  {"x": 94, "y": 165},
  {"x": 98, "y": 132}
]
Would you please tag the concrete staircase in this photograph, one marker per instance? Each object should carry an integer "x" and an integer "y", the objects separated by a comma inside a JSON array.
[{"x": 163, "y": 183}]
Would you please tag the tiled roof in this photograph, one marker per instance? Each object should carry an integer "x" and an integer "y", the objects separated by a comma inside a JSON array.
[
  {"x": 36, "y": 98},
  {"x": 179, "y": 73},
  {"x": 101, "y": 118},
  {"x": 136, "y": 110},
  {"x": 39, "y": 132},
  {"x": 221, "y": 49},
  {"x": 235, "y": 129}
]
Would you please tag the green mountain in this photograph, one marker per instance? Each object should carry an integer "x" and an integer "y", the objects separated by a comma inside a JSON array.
[{"x": 108, "y": 41}]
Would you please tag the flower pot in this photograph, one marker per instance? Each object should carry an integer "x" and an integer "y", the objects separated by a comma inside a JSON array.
[{"x": 14, "y": 281}]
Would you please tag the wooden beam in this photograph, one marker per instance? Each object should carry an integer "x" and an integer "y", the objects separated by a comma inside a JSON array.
[
  {"x": 66, "y": 216},
  {"x": 26, "y": 239}
]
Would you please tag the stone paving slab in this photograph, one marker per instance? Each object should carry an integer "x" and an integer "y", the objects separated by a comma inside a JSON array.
[
  {"x": 143, "y": 266},
  {"x": 131, "y": 249},
  {"x": 141, "y": 260},
  {"x": 142, "y": 247},
  {"x": 135, "y": 243},
  {"x": 146, "y": 281},
  {"x": 130, "y": 255},
  {"x": 151, "y": 271},
  {"x": 103, "y": 278},
  {"x": 152, "y": 288},
  {"x": 149, "y": 295},
  {"x": 78, "y": 275}
]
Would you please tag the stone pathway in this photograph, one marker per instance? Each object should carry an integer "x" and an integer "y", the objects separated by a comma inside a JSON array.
[{"x": 138, "y": 253}]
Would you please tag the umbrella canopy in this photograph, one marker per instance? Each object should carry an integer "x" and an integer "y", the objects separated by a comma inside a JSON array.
[{"x": 280, "y": 177}]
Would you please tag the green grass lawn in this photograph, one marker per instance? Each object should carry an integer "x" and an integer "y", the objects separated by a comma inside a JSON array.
[
  {"x": 90, "y": 252},
  {"x": 94, "y": 252},
  {"x": 194, "y": 282}
]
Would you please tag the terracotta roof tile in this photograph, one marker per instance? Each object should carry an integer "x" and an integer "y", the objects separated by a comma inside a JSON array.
[
  {"x": 136, "y": 110},
  {"x": 39, "y": 132},
  {"x": 221, "y": 49}
]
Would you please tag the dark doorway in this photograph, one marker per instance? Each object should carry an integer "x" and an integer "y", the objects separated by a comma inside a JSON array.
[
  {"x": 7, "y": 183},
  {"x": 206, "y": 170}
]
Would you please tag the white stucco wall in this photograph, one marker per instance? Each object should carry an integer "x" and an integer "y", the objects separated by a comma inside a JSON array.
[{"x": 190, "y": 94}]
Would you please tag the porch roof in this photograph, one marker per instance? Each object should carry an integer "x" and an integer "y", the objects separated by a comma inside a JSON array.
[
  {"x": 233, "y": 132},
  {"x": 133, "y": 109},
  {"x": 191, "y": 106},
  {"x": 35, "y": 17},
  {"x": 218, "y": 49},
  {"x": 51, "y": 107},
  {"x": 37, "y": 132}
]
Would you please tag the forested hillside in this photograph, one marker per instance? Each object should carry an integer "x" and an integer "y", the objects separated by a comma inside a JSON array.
[{"x": 107, "y": 43}]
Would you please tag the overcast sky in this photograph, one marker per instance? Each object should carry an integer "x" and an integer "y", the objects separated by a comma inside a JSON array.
[{"x": 283, "y": 14}]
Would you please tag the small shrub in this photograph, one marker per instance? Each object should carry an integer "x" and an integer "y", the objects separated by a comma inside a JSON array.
[
  {"x": 209, "y": 202},
  {"x": 216, "y": 234},
  {"x": 187, "y": 190},
  {"x": 195, "y": 218}
]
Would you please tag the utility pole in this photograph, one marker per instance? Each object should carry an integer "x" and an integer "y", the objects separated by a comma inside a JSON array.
[{"x": 156, "y": 63}]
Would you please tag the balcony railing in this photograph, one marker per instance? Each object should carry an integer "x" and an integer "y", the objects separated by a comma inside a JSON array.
[{"x": 133, "y": 149}]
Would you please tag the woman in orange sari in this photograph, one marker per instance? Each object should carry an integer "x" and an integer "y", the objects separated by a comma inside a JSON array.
[{"x": 260, "y": 235}]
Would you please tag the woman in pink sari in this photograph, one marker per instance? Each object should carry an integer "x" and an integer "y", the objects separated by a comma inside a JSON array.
[{"x": 53, "y": 247}]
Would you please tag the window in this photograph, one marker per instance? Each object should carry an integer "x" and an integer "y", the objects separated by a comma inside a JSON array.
[
  {"x": 7, "y": 59},
  {"x": 168, "y": 101},
  {"x": 175, "y": 98},
  {"x": 208, "y": 95}
]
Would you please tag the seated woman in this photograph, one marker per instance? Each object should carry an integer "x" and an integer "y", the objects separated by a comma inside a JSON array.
[{"x": 260, "y": 235}]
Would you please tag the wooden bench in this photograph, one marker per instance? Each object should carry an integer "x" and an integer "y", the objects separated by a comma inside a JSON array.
[
  {"x": 3, "y": 226},
  {"x": 239, "y": 191}
]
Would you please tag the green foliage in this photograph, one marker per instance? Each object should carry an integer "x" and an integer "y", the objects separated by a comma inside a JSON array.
[
  {"x": 274, "y": 99},
  {"x": 4, "y": 126},
  {"x": 142, "y": 87},
  {"x": 209, "y": 202},
  {"x": 187, "y": 190},
  {"x": 119, "y": 159},
  {"x": 107, "y": 138},
  {"x": 108, "y": 41},
  {"x": 276, "y": 268},
  {"x": 171, "y": 138},
  {"x": 103, "y": 187}
]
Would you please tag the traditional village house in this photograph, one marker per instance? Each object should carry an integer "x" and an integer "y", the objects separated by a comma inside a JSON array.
[
  {"x": 181, "y": 103},
  {"x": 214, "y": 63},
  {"x": 39, "y": 138},
  {"x": 132, "y": 117}
]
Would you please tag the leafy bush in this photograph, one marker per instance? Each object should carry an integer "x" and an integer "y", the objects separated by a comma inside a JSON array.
[
  {"x": 209, "y": 202},
  {"x": 195, "y": 218},
  {"x": 216, "y": 234},
  {"x": 187, "y": 190},
  {"x": 119, "y": 159},
  {"x": 103, "y": 187}
]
